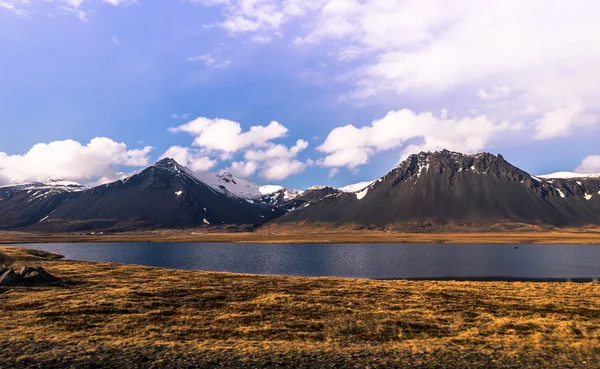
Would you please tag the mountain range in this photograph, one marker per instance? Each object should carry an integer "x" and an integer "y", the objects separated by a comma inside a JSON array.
[{"x": 441, "y": 187}]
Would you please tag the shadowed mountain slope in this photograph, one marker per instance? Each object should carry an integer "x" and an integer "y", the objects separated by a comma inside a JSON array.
[
  {"x": 164, "y": 195},
  {"x": 446, "y": 187}
]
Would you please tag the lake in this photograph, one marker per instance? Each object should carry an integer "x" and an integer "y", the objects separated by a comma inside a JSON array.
[{"x": 381, "y": 261}]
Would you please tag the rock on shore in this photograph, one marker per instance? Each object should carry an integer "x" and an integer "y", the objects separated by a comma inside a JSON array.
[{"x": 26, "y": 276}]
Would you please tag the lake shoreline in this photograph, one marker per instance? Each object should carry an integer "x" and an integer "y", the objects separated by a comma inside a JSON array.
[
  {"x": 378, "y": 261},
  {"x": 568, "y": 236},
  {"x": 128, "y": 315}
]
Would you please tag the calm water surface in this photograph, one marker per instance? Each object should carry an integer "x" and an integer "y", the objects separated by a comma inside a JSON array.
[{"x": 428, "y": 261}]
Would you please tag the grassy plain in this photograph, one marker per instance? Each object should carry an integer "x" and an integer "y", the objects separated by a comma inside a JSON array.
[
  {"x": 588, "y": 235},
  {"x": 111, "y": 315}
]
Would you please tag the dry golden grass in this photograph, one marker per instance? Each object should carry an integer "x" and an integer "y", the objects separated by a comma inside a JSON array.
[
  {"x": 131, "y": 316},
  {"x": 588, "y": 235}
]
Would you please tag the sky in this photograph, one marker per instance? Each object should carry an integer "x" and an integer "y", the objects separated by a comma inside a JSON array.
[{"x": 294, "y": 92}]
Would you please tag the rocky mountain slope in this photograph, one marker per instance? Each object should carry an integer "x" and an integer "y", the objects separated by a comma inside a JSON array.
[
  {"x": 442, "y": 187},
  {"x": 231, "y": 185},
  {"x": 164, "y": 195},
  {"x": 446, "y": 187},
  {"x": 29, "y": 203}
]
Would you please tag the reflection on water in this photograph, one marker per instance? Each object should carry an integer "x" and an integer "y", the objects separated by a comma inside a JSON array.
[{"x": 414, "y": 261}]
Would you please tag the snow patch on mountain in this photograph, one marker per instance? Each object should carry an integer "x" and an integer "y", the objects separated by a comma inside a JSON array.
[
  {"x": 361, "y": 194},
  {"x": 62, "y": 182},
  {"x": 269, "y": 189},
  {"x": 356, "y": 186},
  {"x": 568, "y": 175},
  {"x": 229, "y": 184}
]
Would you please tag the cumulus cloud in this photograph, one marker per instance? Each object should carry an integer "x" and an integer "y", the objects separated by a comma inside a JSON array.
[
  {"x": 494, "y": 93},
  {"x": 70, "y": 160},
  {"x": 589, "y": 165},
  {"x": 190, "y": 158},
  {"x": 261, "y": 18},
  {"x": 510, "y": 53},
  {"x": 279, "y": 170},
  {"x": 278, "y": 161},
  {"x": 350, "y": 146},
  {"x": 225, "y": 138},
  {"x": 243, "y": 169},
  {"x": 560, "y": 121}
]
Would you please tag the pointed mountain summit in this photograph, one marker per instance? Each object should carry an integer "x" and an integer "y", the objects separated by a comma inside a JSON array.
[
  {"x": 449, "y": 187},
  {"x": 164, "y": 195}
]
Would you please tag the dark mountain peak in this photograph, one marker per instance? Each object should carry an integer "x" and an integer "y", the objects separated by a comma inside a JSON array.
[
  {"x": 167, "y": 164},
  {"x": 323, "y": 188},
  {"x": 445, "y": 161},
  {"x": 447, "y": 155},
  {"x": 169, "y": 167},
  {"x": 163, "y": 174}
]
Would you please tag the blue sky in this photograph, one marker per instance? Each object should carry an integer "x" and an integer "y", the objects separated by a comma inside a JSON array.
[{"x": 469, "y": 78}]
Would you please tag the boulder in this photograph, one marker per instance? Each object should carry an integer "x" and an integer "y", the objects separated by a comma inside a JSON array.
[
  {"x": 38, "y": 276},
  {"x": 26, "y": 270},
  {"x": 9, "y": 278}
]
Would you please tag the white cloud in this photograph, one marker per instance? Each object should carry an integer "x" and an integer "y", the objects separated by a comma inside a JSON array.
[
  {"x": 278, "y": 161},
  {"x": 276, "y": 152},
  {"x": 209, "y": 61},
  {"x": 71, "y": 160},
  {"x": 224, "y": 138},
  {"x": 78, "y": 8},
  {"x": 280, "y": 170},
  {"x": 121, "y": 2},
  {"x": 351, "y": 146},
  {"x": 559, "y": 122},
  {"x": 332, "y": 172},
  {"x": 590, "y": 164},
  {"x": 206, "y": 58},
  {"x": 494, "y": 93},
  {"x": 444, "y": 114},
  {"x": 223, "y": 65},
  {"x": 510, "y": 53},
  {"x": 243, "y": 169},
  {"x": 227, "y": 136},
  {"x": 190, "y": 158},
  {"x": 177, "y": 116},
  {"x": 260, "y": 17},
  {"x": 16, "y": 6}
]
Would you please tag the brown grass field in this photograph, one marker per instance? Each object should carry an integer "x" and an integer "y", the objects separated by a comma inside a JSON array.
[
  {"x": 299, "y": 234},
  {"x": 125, "y": 316}
]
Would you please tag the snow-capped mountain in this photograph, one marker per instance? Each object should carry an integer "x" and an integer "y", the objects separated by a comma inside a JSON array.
[
  {"x": 29, "y": 203},
  {"x": 164, "y": 195},
  {"x": 568, "y": 175},
  {"x": 429, "y": 188},
  {"x": 229, "y": 184},
  {"x": 355, "y": 187}
]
